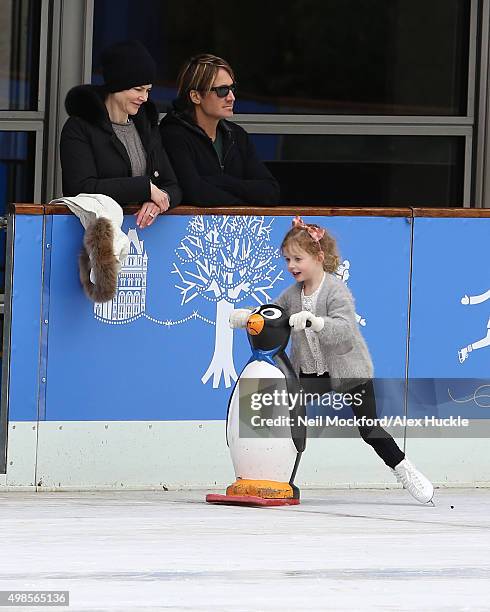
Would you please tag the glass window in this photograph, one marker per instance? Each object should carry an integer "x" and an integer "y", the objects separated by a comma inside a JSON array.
[
  {"x": 20, "y": 22},
  {"x": 17, "y": 150},
  {"x": 345, "y": 170},
  {"x": 383, "y": 57}
]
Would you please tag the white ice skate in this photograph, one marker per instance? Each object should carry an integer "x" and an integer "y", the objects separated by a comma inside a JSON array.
[{"x": 414, "y": 482}]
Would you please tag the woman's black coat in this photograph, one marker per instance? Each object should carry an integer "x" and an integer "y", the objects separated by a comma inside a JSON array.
[
  {"x": 94, "y": 160},
  {"x": 241, "y": 178}
]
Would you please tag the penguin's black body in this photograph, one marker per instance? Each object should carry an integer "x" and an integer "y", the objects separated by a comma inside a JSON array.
[
  {"x": 268, "y": 342},
  {"x": 265, "y": 467}
]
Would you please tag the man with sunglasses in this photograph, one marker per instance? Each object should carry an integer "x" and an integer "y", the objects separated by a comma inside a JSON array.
[{"x": 213, "y": 158}]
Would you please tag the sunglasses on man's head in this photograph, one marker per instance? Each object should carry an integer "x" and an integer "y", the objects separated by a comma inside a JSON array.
[{"x": 223, "y": 90}]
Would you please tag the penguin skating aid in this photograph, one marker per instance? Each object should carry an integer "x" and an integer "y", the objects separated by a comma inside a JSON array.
[{"x": 265, "y": 467}]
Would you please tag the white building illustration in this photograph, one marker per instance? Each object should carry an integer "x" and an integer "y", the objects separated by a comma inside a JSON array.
[
  {"x": 468, "y": 300},
  {"x": 130, "y": 299}
]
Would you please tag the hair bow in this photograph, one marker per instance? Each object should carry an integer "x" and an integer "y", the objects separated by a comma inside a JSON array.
[{"x": 316, "y": 233}]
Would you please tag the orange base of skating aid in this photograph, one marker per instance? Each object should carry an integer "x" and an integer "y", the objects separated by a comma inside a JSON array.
[{"x": 249, "y": 500}]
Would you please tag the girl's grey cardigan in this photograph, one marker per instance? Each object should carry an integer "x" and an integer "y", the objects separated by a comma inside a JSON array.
[{"x": 345, "y": 350}]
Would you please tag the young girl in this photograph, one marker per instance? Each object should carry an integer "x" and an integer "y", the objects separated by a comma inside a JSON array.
[{"x": 332, "y": 349}]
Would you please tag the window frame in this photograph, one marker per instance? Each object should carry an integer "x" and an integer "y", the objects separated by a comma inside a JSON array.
[{"x": 22, "y": 121}]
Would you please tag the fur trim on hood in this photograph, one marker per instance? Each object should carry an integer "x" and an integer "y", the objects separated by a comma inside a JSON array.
[
  {"x": 99, "y": 242},
  {"x": 87, "y": 102}
]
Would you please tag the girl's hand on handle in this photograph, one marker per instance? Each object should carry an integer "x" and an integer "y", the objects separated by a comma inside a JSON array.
[
  {"x": 239, "y": 318},
  {"x": 300, "y": 320},
  {"x": 160, "y": 198}
]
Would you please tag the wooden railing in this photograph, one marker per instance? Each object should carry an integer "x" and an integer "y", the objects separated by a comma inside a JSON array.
[{"x": 282, "y": 211}]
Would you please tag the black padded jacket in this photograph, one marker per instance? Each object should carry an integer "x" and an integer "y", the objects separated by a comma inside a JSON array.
[
  {"x": 239, "y": 178},
  {"x": 94, "y": 160}
]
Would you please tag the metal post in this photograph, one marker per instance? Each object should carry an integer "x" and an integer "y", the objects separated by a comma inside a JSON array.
[
  {"x": 71, "y": 64},
  {"x": 482, "y": 162}
]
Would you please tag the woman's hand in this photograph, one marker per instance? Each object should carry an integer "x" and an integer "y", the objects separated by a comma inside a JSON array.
[
  {"x": 160, "y": 198},
  {"x": 147, "y": 214},
  {"x": 299, "y": 321}
]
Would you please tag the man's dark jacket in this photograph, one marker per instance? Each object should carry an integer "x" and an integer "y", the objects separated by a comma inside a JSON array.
[
  {"x": 240, "y": 178},
  {"x": 94, "y": 160}
]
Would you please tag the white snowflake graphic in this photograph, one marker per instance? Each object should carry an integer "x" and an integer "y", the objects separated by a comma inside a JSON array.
[{"x": 343, "y": 272}]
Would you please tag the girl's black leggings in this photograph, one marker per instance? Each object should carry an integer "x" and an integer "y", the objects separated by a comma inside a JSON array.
[{"x": 381, "y": 441}]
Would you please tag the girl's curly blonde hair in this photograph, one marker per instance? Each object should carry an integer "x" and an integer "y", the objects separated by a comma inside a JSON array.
[{"x": 300, "y": 237}]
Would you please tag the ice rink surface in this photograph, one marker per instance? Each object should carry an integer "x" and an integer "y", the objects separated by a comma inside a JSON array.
[{"x": 338, "y": 550}]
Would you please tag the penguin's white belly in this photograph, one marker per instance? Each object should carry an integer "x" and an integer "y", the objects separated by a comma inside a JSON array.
[{"x": 265, "y": 458}]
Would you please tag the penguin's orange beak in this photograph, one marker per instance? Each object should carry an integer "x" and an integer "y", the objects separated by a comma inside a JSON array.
[{"x": 255, "y": 324}]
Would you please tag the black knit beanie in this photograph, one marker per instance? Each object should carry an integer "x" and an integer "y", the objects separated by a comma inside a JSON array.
[{"x": 127, "y": 64}]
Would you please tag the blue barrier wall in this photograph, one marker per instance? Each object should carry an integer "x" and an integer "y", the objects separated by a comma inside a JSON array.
[
  {"x": 450, "y": 261},
  {"x": 25, "y": 348},
  {"x": 130, "y": 392},
  {"x": 167, "y": 352},
  {"x": 450, "y": 324}
]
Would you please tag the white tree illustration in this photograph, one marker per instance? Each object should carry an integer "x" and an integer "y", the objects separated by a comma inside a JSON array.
[{"x": 226, "y": 259}]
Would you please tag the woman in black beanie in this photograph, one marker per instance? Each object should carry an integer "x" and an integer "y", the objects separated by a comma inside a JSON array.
[
  {"x": 110, "y": 144},
  {"x": 214, "y": 158}
]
